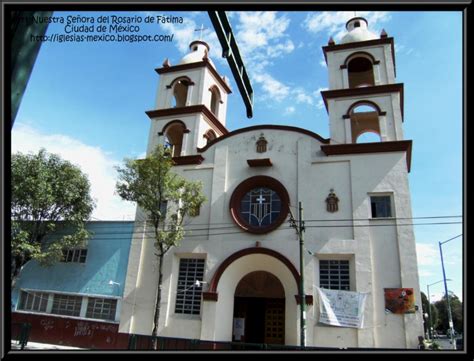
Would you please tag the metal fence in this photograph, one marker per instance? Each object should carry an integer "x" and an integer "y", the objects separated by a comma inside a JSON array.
[{"x": 21, "y": 333}]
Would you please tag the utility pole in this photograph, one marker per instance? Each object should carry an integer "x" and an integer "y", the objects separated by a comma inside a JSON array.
[
  {"x": 450, "y": 317},
  {"x": 300, "y": 228},
  {"x": 430, "y": 330}
]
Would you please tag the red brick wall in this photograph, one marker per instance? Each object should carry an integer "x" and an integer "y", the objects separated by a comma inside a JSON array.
[{"x": 72, "y": 332}]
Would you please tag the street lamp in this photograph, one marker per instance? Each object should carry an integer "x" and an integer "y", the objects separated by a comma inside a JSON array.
[
  {"x": 450, "y": 317},
  {"x": 430, "y": 330}
]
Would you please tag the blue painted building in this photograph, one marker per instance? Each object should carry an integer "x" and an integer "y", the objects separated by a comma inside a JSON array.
[{"x": 88, "y": 284}]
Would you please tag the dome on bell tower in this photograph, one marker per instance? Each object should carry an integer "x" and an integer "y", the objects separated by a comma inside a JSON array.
[
  {"x": 199, "y": 50},
  {"x": 357, "y": 31}
]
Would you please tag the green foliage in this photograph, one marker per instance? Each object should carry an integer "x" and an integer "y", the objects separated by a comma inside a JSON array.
[
  {"x": 167, "y": 200},
  {"x": 48, "y": 195},
  {"x": 151, "y": 183},
  {"x": 433, "y": 311},
  {"x": 456, "y": 313}
]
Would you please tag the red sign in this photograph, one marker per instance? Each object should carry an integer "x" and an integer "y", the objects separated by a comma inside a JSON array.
[{"x": 399, "y": 300}]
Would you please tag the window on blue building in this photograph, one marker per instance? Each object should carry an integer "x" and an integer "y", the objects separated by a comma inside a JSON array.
[
  {"x": 101, "y": 308},
  {"x": 67, "y": 305},
  {"x": 33, "y": 301},
  {"x": 76, "y": 255}
]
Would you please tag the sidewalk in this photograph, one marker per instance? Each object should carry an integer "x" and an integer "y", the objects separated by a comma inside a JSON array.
[{"x": 42, "y": 346}]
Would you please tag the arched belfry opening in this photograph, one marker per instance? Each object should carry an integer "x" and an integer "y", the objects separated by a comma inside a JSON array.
[
  {"x": 180, "y": 93},
  {"x": 365, "y": 125},
  {"x": 174, "y": 134},
  {"x": 360, "y": 72},
  {"x": 259, "y": 309},
  {"x": 215, "y": 100}
]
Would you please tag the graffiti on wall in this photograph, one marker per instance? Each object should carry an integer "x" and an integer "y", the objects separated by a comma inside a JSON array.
[{"x": 47, "y": 324}]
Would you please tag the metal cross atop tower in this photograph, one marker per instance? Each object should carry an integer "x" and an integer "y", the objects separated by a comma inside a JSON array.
[{"x": 201, "y": 30}]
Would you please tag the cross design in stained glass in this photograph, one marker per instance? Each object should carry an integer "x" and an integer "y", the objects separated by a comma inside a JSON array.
[{"x": 260, "y": 207}]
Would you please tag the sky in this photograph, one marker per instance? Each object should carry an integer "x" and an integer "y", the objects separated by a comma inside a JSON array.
[{"x": 86, "y": 101}]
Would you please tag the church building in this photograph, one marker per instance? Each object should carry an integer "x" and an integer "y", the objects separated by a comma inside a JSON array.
[{"x": 236, "y": 275}]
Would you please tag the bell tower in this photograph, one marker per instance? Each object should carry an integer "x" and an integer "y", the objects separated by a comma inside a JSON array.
[
  {"x": 191, "y": 105},
  {"x": 363, "y": 96}
]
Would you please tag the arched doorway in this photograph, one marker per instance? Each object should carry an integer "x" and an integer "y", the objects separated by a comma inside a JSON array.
[{"x": 259, "y": 309}]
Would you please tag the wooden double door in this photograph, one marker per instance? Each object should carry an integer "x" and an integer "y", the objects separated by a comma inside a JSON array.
[{"x": 264, "y": 319}]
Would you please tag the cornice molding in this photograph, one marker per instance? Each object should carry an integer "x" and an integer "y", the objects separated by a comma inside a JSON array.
[
  {"x": 209, "y": 116},
  {"x": 370, "y": 90},
  {"x": 379, "y": 147},
  {"x": 199, "y": 64}
]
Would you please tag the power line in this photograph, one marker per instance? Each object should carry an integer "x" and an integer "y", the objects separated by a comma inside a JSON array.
[
  {"x": 310, "y": 220},
  {"x": 281, "y": 229}
]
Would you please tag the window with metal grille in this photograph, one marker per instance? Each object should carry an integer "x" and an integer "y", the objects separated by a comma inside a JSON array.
[
  {"x": 67, "y": 305},
  {"x": 380, "y": 206},
  {"x": 334, "y": 275},
  {"x": 74, "y": 255},
  {"x": 33, "y": 301},
  {"x": 188, "y": 296},
  {"x": 101, "y": 308}
]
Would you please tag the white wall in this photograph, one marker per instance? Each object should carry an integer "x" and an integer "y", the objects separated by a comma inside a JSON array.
[{"x": 308, "y": 175}]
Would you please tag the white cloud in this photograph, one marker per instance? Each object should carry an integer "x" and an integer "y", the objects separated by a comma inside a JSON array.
[
  {"x": 260, "y": 29},
  {"x": 272, "y": 87},
  {"x": 402, "y": 49},
  {"x": 333, "y": 23},
  {"x": 317, "y": 94},
  {"x": 289, "y": 110},
  {"x": 427, "y": 254},
  {"x": 93, "y": 161},
  {"x": 186, "y": 32},
  {"x": 302, "y": 97},
  {"x": 262, "y": 38},
  {"x": 425, "y": 273}
]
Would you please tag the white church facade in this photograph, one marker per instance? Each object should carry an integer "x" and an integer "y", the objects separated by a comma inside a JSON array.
[{"x": 236, "y": 276}]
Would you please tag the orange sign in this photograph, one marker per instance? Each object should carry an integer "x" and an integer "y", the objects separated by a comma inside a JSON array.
[{"x": 399, "y": 300}]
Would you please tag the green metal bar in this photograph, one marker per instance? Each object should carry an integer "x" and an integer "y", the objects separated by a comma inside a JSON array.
[
  {"x": 24, "y": 50},
  {"x": 232, "y": 54}
]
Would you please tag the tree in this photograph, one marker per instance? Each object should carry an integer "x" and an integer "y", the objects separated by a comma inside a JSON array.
[
  {"x": 432, "y": 313},
  {"x": 456, "y": 313},
  {"x": 166, "y": 198},
  {"x": 48, "y": 195}
]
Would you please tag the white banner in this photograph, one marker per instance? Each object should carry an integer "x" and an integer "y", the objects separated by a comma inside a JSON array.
[{"x": 341, "y": 308}]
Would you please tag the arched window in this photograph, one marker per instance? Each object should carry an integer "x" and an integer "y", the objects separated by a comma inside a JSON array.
[
  {"x": 360, "y": 72},
  {"x": 215, "y": 100},
  {"x": 180, "y": 93},
  {"x": 174, "y": 138},
  {"x": 364, "y": 119}
]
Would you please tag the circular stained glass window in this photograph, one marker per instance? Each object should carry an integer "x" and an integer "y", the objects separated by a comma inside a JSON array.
[
  {"x": 259, "y": 204},
  {"x": 260, "y": 207}
]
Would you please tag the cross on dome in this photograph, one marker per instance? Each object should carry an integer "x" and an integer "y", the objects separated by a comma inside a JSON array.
[{"x": 201, "y": 29}]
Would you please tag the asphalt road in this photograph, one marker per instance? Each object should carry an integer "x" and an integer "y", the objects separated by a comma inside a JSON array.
[{"x": 444, "y": 342}]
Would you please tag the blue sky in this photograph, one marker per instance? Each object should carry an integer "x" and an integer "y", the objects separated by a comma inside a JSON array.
[{"x": 87, "y": 102}]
